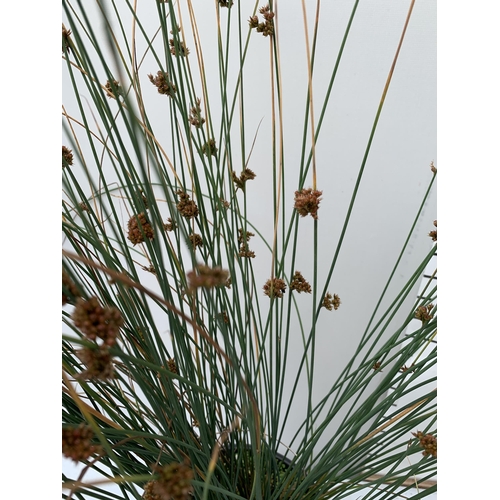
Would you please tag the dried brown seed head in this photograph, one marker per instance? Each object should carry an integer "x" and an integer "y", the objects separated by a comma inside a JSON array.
[
  {"x": 67, "y": 157},
  {"x": 96, "y": 321},
  {"x": 172, "y": 365},
  {"x": 428, "y": 442},
  {"x": 70, "y": 291},
  {"x": 330, "y": 302},
  {"x": 66, "y": 41},
  {"x": 174, "y": 481},
  {"x": 139, "y": 229},
  {"x": 209, "y": 148},
  {"x": 423, "y": 313},
  {"x": 170, "y": 225},
  {"x": 77, "y": 443},
  {"x": 178, "y": 49},
  {"x": 195, "y": 117},
  {"x": 253, "y": 22},
  {"x": 162, "y": 83},
  {"x": 299, "y": 284},
  {"x": 109, "y": 89},
  {"x": 196, "y": 240},
  {"x": 98, "y": 363},
  {"x": 186, "y": 206},
  {"x": 275, "y": 287},
  {"x": 207, "y": 277},
  {"x": 307, "y": 202}
]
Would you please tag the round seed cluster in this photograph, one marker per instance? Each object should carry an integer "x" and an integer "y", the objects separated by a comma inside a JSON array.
[
  {"x": 77, "y": 443},
  {"x": 96, "y": 321},
  {"x": 275, "y": 287},
  {"x": 139, "y": 229}
]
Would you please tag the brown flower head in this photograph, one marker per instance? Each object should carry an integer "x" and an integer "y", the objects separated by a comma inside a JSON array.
[
  {"x": 149, "y": 488},
  {"x": 170, "y": 225},
  {"x": 196, "y": 240},
  {"x": 96, "y": 321},
  {"x": 243, "y": 238},
  {"x": 139, "y": 229},
  {"x": 98, "y": 363},
  {"x": 307, "y": 202},
  {"x": 186, "y": 206},
  {"x": 207, "y": 277},
  {"x": 162, "y": 83},
  {"x": 434, "y": 234},
  {"x": 331, "y": 302},
  {"x": 209, "y": 148},
  {"x": 223, "y": 203},
  {"x": 299, "y": 283},
  {"x": 226, "y": 3},
  {"x": 275, "y": 287},
  {"x": 178, "y": 48},
  {"x": 195, "y": 117},
  {"x": 428, "y": 442},
  {"x": 150, "y": 269},
  {"x": 253, "y": 22},
  {"x": 66, "y": 41},
  {"x": 246, "y": 175},
  {"x": 433, "y": 168},
  {"x": 174, "y": 482},
  {"x": 172, "y": 365},
  {"x": 67, "y": 157},
  {"x": 69, "y": 290},
  {"x": 266, "y": 27},
  {"x": 77, "y": 443},
  {"x": 109, "y": 89},
  {"x": 423, "y": 313}
]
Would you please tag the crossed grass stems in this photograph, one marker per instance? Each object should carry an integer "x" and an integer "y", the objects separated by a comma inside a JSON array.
[{"x": 218, "y": 387}]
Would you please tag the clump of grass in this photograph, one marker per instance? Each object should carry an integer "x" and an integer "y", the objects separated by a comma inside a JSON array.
[{"x": 188, "y": 370}]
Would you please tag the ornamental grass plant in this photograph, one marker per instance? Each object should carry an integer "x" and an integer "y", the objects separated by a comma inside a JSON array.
[{"x": 217, "y": 341}]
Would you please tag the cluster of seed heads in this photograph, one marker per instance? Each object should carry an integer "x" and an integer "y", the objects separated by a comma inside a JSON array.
[
  {"x": 67, "y": 157},
  {"x": 195, "y": 117},
  {"x": 428, "y": 442},
  {"x": 113, "y": 89},
  {"x": 207, "y": 277},
  {"x": 209, "y": 148},
  {"x": 186, "y": 206},
  {"x": 330, "y": 302},
  {"x": 243, "y": 238},
  {"x": 77, "y": 443},
  {"x": 246, "y": 175},
  {"x": 70, "y": 291},
  {"x": 139, "y": 229},
  {"x": 163, "y": 84},
  {"x": 174, "y": 482},
  {"x": 97, "y": 322},
  {"x": 178, "y": 48},
  {"x": 275, "y": 287},
  {"x": 434, "y": 234},
  {"x": 267, "y": 26},
  {"x": 423, "y": 313},
  {"x": 307, "y": 202},
  {"x": 299, "y": 284}
]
